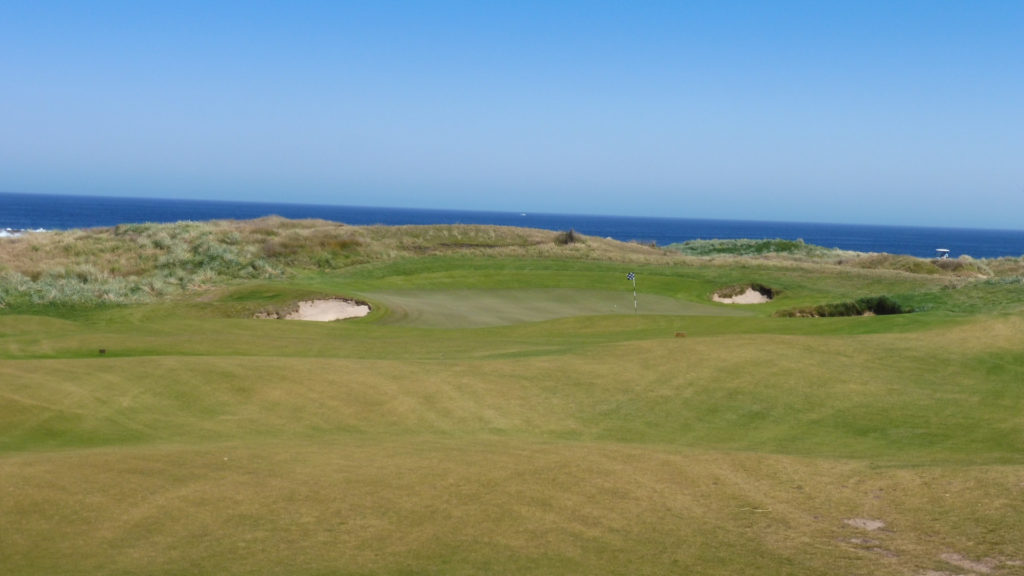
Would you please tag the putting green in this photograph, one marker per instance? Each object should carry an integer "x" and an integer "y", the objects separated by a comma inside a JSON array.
[{"x": 476, "y": 308}]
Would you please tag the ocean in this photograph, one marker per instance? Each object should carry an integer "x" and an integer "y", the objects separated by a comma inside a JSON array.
[{"x": 50, "y": 212}]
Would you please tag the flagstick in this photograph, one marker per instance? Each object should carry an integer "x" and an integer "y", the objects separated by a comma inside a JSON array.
[{"x": 636, "y": 309}]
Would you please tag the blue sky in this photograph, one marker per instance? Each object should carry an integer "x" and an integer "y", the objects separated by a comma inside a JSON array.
[{"x": 864, "y": 112}]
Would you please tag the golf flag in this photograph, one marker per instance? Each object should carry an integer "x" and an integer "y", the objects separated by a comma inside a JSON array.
[{"x": 632, "y": 277}]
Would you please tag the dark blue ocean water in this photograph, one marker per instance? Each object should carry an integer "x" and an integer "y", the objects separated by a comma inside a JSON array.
[{"x": 32, "y": 211}]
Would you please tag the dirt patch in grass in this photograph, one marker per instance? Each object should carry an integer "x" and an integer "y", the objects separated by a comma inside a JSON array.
[
  {"x": 984, "y": 566},
  {"x": 865, "y": 524}
]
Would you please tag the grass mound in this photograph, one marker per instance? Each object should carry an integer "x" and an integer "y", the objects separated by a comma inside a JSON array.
[
  {"x": 134, "y": 263},
  {"x": 128, "y": 263},
  {"x": 963, "y": 266}
]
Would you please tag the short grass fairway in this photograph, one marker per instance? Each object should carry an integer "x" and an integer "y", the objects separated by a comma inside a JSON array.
[{"x": 508, "y": 413}]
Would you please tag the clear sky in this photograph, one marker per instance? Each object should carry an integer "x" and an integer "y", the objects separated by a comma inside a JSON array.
[{"x": 869, "y": 112}]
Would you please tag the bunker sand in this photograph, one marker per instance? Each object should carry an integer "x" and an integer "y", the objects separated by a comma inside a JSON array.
[
  {"x": 329, "y": 310},
  {"x": 751, "y": 296}
]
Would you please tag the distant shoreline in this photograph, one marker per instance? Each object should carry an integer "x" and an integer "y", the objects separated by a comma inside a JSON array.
[{"x": 31, "y": 212}]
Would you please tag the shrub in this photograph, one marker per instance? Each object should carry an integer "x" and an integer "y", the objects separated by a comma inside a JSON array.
[
  {"x": 899, "y": 262},
  {"x": 964, "y": 266},
  {"x": 879, "y": 305},
  {"x": 568, "y": 237},
  {"x": 751, "y": 247}
]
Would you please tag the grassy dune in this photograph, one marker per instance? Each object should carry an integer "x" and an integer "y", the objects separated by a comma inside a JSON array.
[{"x": 502, "y": 410}]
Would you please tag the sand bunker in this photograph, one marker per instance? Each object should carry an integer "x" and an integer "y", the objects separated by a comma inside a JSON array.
[
  {"x": 751, "y": 296},
  {"x": 329, "y": 310}
]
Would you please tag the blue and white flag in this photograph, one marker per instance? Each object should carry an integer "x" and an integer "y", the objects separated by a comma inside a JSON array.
[{"x": 630, "y": 276}]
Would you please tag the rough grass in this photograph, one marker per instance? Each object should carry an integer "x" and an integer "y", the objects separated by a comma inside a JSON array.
[
  {"x": 530, "y": 433},
  {"x": 140, "y": 262},
  {"x": 136, "y": 263}
]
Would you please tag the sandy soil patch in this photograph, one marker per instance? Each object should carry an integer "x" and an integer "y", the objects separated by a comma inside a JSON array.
[
  {"x": 984, "y": 566},
  {"x": 865, "y": 524},
  {"x": 751, "y": 296},
  {"x": 329, "y": 310}
]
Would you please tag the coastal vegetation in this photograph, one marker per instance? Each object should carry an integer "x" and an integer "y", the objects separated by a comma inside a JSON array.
[
  {"x": 750, "y": 247},
  {"x": 868, "y": 305},
  {"x": 504, "y": 408}
]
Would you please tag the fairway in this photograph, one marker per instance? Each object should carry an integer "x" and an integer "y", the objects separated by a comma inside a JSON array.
[{"x": 491, "y": 416}]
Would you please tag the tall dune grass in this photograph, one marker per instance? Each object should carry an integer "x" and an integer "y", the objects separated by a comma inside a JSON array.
[{"x": 134, "y": 263}]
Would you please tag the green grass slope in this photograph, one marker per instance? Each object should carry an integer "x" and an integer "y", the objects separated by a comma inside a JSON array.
[{"x": 503, "y": 410}]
